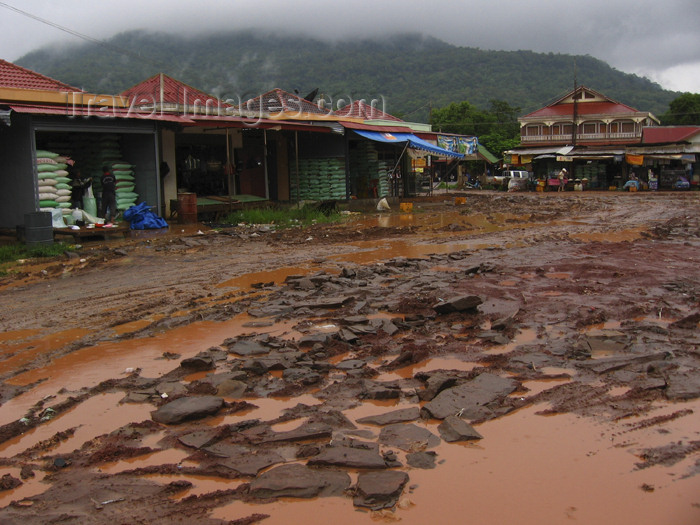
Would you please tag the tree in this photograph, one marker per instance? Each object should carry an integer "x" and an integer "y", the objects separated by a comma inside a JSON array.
[
  {"x": 683, "y": 111},
  {"x": 496, "y": 128}
]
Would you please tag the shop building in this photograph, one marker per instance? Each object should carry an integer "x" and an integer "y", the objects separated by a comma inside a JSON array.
[
  {"x": 51, "y": 133},
  {"x": 584, "y": 131}
]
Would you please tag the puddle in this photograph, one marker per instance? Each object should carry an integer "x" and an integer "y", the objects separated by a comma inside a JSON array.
[
  {"x": 95, "y": 416},
  {"x": 89, "y": 366},
  {"x": 286, "y": 511},
  {"x": 268, "y": 408},
  {"x": 171, "y": 456},
  {"x": 435, "y": 363},
  {"x": 200, "y": 484},
  {"x": 533, "y": 465},
  {"x": 29, "y": 487},
  {"x": 277, "y": 276},
  {"x": 28, "y": 350},
  {"x": 524, "y": 336},
  {"x": 373, "y": 251}
]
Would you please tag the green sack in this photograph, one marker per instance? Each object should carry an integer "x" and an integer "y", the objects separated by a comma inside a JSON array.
[{"x": 90, "y": 205}]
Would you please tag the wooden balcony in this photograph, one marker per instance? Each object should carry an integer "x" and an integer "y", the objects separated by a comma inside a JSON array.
[{"x": 581, "y": 137}]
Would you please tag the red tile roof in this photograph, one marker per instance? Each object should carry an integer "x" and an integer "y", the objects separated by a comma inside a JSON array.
[
  {"x": 668, "y": 134},
  {"x": 279, "y": 101},
  {"x": 584, "y": 108},
  {"x": 360, "y": 109},
  {"x": 174, "y": 92},
  {"x": 17, "y": 77},
  {"x": 599, "y": 105}
]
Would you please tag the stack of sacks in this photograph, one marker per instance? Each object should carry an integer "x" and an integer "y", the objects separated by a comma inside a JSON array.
[
  {"x": 54, "y": 183},
  {"x": 319, "y": 179},
  {"x": 124, "y": 173}
]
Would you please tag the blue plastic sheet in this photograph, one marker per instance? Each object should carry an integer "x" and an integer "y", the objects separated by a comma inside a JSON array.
[{"x": 140, "y": 217}]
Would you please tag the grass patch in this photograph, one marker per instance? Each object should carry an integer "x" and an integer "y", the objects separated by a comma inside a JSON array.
[
  {"x": 284, "y": 217},
  {"x": 12, "y": 252}
]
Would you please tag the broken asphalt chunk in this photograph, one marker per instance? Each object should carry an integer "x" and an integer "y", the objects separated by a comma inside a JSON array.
[
  {"x": 299, "y": 481},
  {"x": 458, "y": 304},
  {"x": 187, "y": 408},
  {"x": 455, "y": 429},
  {"x": 469, "y": 400},
  {"x": 379, "y": 490}
]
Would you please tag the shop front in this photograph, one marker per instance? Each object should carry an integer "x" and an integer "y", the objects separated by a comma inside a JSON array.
[{"x": 45, "y": 156}]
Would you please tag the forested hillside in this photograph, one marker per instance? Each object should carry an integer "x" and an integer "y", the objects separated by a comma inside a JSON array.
[{"x": 411, "y": 72}]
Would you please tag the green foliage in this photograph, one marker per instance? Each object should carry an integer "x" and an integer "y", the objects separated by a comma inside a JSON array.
[
  {"x": 683, "y": 111},
  {"x": 409, "y": 72},
  {"x": 283, "y": 217},
  {"x": 496, "y": 127}
]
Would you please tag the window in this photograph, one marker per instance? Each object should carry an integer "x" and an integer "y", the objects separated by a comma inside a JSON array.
[
  {"x": 589, "y": 128},
  {"x": 628, "y": 127},
  {"x": 532, "y": 131}
]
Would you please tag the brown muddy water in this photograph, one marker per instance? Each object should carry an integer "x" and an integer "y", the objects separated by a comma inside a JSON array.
[{"x": 529, "y": 469}]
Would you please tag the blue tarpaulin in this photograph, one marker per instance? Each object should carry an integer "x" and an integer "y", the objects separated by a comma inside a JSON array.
[
  {"x": 141, "y": 217},
  {"x": 413, "y": 142}
]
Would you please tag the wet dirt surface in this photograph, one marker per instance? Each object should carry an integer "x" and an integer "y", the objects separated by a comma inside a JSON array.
[{"x": 243, "y": 375}]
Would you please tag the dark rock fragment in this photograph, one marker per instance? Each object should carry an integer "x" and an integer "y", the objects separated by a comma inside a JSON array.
[
  {"x": 299, "y": 481},
  {"x": 187, "y": 408},
  {"x": 379, "y": 490},
  {"x": 455, "y": 429},
  {"x": 408, "y": 437},
  {"x": 424, "y": 459},
  {"x": 458, "y": 304},
  {"x": 389, "y": 418}
]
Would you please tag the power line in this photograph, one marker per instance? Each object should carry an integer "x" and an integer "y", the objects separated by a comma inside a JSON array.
[{"x": 82, "y": 36}]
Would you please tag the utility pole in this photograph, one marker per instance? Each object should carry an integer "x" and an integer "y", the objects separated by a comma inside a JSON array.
[{"x": 574, "y": 130}]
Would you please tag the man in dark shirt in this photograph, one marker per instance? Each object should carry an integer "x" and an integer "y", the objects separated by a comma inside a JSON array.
[{"x": 109, "y": 197}]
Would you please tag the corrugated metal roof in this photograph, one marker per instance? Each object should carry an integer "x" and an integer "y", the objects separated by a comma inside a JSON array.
[
  {"x": 14, "y": 76},
  {"x": 371, "y": 127},
  {"x": 668, "y": 134},
  {"x": 278, "y": 101},
  {"x": 360, "y": 109},
  {"x": 82, "y": 111}
]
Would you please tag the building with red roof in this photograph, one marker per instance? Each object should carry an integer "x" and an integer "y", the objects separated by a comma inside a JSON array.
[
  {"x": 17, "y": 77},
  {"x": 584, "y": 117},
  {"x": 602, "y": 142},
  {"x": 167, "y": 94}
]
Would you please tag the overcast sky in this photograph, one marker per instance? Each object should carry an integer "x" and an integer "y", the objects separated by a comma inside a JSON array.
[{"x": 656, "y": 39}]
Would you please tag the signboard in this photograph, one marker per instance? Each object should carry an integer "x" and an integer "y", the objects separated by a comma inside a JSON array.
[{"x": 463, "y": 145}]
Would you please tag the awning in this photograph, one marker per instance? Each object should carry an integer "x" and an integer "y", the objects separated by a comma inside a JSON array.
[{"x": 411, "y": 139}]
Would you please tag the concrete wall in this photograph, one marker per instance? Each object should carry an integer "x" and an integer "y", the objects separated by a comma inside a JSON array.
[{"x": 18, "y": 178}]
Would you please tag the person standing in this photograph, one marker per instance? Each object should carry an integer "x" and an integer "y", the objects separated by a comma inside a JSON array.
[
  {"x": 109, "y": 194},
  {"x": 562, "y": 179}
]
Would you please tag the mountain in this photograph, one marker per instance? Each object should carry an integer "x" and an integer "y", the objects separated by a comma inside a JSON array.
[{"x": 411, "y": 73}]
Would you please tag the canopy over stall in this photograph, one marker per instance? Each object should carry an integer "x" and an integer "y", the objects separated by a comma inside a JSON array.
[{"x": 411, "y": 142}]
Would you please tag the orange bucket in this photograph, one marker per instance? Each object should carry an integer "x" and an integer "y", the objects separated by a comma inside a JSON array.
[
  {"x": 460, "y": 200},
  {"x": 406, "y": 206}
]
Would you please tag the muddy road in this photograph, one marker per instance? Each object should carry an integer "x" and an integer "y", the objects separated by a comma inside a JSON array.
[{"x": 530, "y": 358}]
